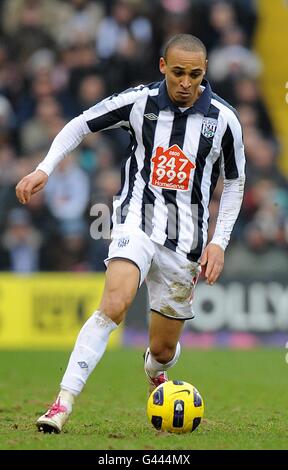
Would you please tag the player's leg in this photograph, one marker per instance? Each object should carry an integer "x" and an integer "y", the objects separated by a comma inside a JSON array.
[
  {"x": 171, "y": 281},
  {"x": 164, "y": 347},
  {"x": 128, "y": 262},
  {"x": 121, "y": 283}
]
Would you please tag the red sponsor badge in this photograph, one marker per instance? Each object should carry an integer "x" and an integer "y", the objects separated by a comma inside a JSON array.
[{"x": 171, "y": 169}]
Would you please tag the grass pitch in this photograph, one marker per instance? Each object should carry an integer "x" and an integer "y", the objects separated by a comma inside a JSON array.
[{"x": 245, "y": 395}]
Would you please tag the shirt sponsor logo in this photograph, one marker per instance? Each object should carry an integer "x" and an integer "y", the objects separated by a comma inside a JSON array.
[{"x": 171, "y": 169}]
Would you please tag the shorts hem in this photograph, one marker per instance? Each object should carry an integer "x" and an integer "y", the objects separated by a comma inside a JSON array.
[
  {"x": 172, "y": 318},
  {"x": 126, "y": 259}
]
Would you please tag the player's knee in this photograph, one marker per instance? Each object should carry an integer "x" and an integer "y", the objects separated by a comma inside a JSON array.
[
  {"x": 115, "y": 306},
  {"x": 162, "y": 353}
]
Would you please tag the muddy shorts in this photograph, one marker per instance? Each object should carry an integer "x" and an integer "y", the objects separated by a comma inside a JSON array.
[{"x": 170, "y": 277}]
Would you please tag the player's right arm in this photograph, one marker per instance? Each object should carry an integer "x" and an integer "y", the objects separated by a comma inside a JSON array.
[{"x": 110, "y": 113}]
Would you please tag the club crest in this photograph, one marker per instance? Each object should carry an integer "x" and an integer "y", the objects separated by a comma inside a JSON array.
[
  {"x": 123, "y": 242},
  {"x": 209, "y": 127}
]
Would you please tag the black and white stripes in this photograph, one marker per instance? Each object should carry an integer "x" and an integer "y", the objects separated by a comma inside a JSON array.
[{"x": 209, "y": 139}]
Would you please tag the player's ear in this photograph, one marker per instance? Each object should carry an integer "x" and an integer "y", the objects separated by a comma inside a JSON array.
[{"x": 162, "y": 65}]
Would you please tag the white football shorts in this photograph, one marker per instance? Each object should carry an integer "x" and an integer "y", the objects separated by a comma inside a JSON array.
[{"x": 170, "y": 277}]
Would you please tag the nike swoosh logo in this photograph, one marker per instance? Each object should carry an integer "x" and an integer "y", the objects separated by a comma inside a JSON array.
[{"x": 181, "y": 391}]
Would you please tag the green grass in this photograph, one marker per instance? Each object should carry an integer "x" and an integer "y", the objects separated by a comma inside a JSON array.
[{"x": 245, "y": 395}]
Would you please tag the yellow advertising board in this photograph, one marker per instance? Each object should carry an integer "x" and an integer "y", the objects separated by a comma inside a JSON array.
[{"x": 45, "y": 311}]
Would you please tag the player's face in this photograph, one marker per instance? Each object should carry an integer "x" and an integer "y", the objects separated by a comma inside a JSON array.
[{"x": 184, "y": 71}]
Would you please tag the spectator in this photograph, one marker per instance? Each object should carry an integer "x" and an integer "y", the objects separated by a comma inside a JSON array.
[
  {"x": 67, "y": 194},
  {"x": 21, "y": 244},
  {"x": 114, "y": 31},
  {"x": 38, "y": 132}
]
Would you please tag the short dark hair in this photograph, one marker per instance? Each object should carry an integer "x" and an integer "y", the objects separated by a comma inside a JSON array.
[{"x": 186, "y": 42}]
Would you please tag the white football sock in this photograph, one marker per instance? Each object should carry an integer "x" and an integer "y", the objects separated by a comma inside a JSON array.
[
  {"x": 88, "y": 350},
  {"x": 154, "y": 368}
]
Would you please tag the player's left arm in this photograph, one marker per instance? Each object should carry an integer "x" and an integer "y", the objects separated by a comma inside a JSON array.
[{"x": 233, "y": 166}]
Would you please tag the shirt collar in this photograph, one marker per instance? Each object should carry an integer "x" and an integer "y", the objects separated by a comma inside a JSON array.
[{"x": 201, "y": 105}]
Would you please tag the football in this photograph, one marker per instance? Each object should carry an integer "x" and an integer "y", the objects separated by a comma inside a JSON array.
[{"x": 176, "y": 407}]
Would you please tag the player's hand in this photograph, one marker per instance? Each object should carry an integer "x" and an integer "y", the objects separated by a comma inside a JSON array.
[
  {"x": 212, "y": 260},
  {"x": 30, "y": 184}
]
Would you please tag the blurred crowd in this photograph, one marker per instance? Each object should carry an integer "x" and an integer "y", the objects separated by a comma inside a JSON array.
[{"x": 58, "y": 58}]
